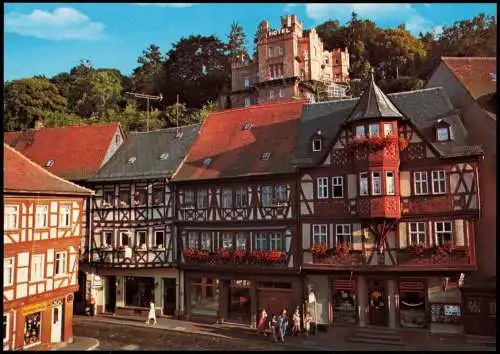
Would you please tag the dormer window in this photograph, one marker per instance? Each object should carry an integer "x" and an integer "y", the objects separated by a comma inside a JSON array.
[
  {"x": 131, "y": 160},
  {"x": 49, "y": 163},
  {"x": 265, "y": 156},
  {"x": 247, "y": 126},
  {"x": 207, "y": 161},
  {"x": 443, "y": 134},
  {"x": 316, "y": 144},
  {"x": 387, "y": 129},
  {"x": 164, "y": 156},
  {"x": 178, "y": 134},
  {"x": 374, "y": 130},
  {"x": 360, "y": 131}
]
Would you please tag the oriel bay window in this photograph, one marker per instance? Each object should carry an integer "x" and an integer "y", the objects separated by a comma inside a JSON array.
[
  {"x": 389, "y": 183},
  {"x": 376, "y": 183},
  {"x": 387, "y": 129},
  {"x": 227, "y": 198},
  {"x": 320, "y": 234},
  {"x": 363, "y": 183},
  {"x": 374, "y": 130},
  {"x": 266, "y": 196},
  {"x": 443, "y": 232},
  {"x": 241, "y": 199},
  {"x": 202, "y": 199}
]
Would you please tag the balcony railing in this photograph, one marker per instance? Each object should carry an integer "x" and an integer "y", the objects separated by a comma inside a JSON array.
[
  {"x": 275, "y": 259},
  {"x": 131, "y": 257}
]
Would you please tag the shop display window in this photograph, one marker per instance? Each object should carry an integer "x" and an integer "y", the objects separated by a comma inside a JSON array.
[
  {"x": 446, "y": 313},
  {"x": 412, "y": 309},
  {"x": 205, "y": 296},
  {"x": 139, "y": 291},
  {"x": 33, "y": 329},
  {"x": 344, "y": 307}
]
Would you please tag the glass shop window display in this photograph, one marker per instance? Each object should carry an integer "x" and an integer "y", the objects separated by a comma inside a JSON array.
[
  {"x": 412, "y": 309},
  {"x": 205, "y": 296},
  {"x": 33, "y": 329},
  {"x": 139, "y": 291},
  {"x": 344, "y": 310}
]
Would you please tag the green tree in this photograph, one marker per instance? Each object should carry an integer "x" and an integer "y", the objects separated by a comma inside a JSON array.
[
  {"x": 256, "y": 38},
  {"x": 29, "y": 100},
  {"x": 236, "y": 44}
]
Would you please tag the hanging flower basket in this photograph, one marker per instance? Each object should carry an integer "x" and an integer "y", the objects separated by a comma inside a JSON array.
[
  {"x": 224, "y": 254},
  {"x": 319, "y": 250},
  {"x": 342, "y": 249}
]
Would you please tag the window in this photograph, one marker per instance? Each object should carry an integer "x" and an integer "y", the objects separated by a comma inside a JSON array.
[
  {"x": 417, "y": 233},
  {"x": 374, "y": 130},
  {"x": 241, "y": 242},
  {"x": 42, "y": 216},
  {"x": 320, "y": 234},
  {"x": 376, "y": 183},
  {"x": 6, "y": 328},
  {"x": 280, "y": 193},
  {"x": 316, "y": 145},
  {"x": 164, "y": 156},
  {"x": 265, "y": 156},
  {"x": 109, "y": 197},
  {"x": 8, "y": 272},
  {"x": 280, "y": 51},
  {"x": 124, "y": 238},
  {"x": 266, "y": 196},
  {"x": 139, "y": 291},
  {"x": 241, "y": 197},
  {"x": 11, "y": 221},
  {"x": 360, "y": 131},
  {"x": 282, "y": 92},
  {"x": 189, "y": 197},
  {"x": 443, "y": 134},
  {"x": 227, "y": 198},
  {"x": 141, "y": 238},
  {"x": 343, "y": 233},
  {"x": 227, "y": 241},
  {"x": 443, "y": 232},
  {"x": 260, "y": 242},
  {"x": 158, "y": 195},
  {"x": 493, "y": 308},
  {"x": 270, "y": 51},
  {"x": 141, "y": 196},
  {"x": 271, "y": 94},
  {"x": 363, "y": 183},
  {"x": 108, "y": 238},
  {"x": 206, "y": 241},
  {"x": 193, "y": 240},
  {"x": 32, "y": 329},
  {"x": 322, "y": 187},
  {"x": 338, "y": 187},
  {"x": 37, "y": 267},
  {"x": 202, "y": 199},
  {"x": 420, "y": 182},
  {"x": 204, "y": 296},
  {"x": 124, "y": 198},
  {"x": 117, "y": 139},
  {"x": 248, "y": 101},
  {"x": 474, "y": 305},
  {"x": 247, "y": 82},
  {"x": 159, "y": 239},
  {"x": 389, "y": 183},
  {"x": 61, "y": 263},
  {"x": 388, "y": 129},
  {"x": 64, "y": 216},
  {"x": 276, "y": 242},
  {"x": 438, "y": 182}
]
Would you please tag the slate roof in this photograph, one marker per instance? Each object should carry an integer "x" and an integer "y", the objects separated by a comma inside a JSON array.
[
  {"x": 77, "y": 151},
  {"x": 147, "y": 148},
  {"x": 475, "y": 73},
  {"x": 423, "y": 108},
  {"x": 21, "y": 175},
  {"x": 230, "y": 151},
  {"x": 374, "y": 104}
]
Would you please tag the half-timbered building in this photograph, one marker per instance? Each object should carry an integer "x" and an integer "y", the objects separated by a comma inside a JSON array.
[
  {"x": 388, "y": 198},
  {"x": 236, "y": 217},
  {"x": 41, "y": 242},
  {"x": 132, "y": 249}
]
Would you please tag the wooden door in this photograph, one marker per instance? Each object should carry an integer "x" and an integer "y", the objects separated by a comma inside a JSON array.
[
  {"x": 169, "y": 296},
  {"x": 275, "y": 300},
  {"x": 377, "y": 302}
]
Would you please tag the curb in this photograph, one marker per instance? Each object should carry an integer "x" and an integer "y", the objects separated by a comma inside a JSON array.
[{"x": 96, "y": 345}]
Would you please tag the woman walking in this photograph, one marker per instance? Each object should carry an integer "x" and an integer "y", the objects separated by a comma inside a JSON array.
[
  {"x": 296, "y": 323},
  {"x": 261, "y": 325},
  {"x": 273, "y": 326},
  {"x": 152, "y": 313},
  {"x": 283, "y": 324}
]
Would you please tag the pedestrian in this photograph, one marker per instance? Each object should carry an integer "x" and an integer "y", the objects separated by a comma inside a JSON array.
[
  {"x": 283, "y": 324},
  {"x": 273, "y": 326},
  {"x": 296, "y": 323},
  {"x": 307, "y": 324},
  {"x": 152, "y": 313},
  {"x": 261, "y": 324}
]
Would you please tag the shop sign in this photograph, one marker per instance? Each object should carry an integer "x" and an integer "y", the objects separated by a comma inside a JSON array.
[
  {"x": 26, "y": 310},
  {"x": 69, "y": 298}
]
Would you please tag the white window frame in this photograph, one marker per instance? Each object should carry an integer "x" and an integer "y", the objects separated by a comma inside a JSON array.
[
  {"x": 282, "y": 92},
  {"x": 193, "y": 240},
  {"x": 441, "y": 233},
  {"x": 11, "y": 221},
  {"x": 239, "y": 244},
  {"x": 227, "y": 241},
  {"x": 247, "y": 82},
  {"x": 360, "y": 131},
  {"x": 390, "y": 183},
  {"x": 336, "y": 182},
  {"x": 374, "y": 129},
  {"x": 271, "y": 52},
  {"x": 280, "y": 51},
  {"x": 271, "y": 94},
  {"x": 37, "y": 260},
  {"x": 322, "y": 187},
  {"x": 266, "y": 196},
  {"x": 345, "y": 231},
  {"x": 202, "y": 199},
  {"x": 63, "y": 265},
  {"x": 317, "y": 145},
  {"x": 363, "y": 184},
  {"x": 376, "y": 182},
  {"x": 280, "y": 193},
  {"x": 276, "y": 242},
  {"x": 227, "y": 198},
  {"x": 388, "y": 129},
  {"x": 206, "y": 241},
  {"x": 320, "y": 234},
  {"x": 64, "y": 212},
  {"x": 443, "y": 133},
  {"x": 6, "y": 323},
  {"x": 260, "y": 241},
  {"x": 7, "y": 266},
  {"x": 241, "y": 197},
  {"x": 438, "y": 176},
  {"x": 420, "y": 181},
  {"x": 416, "y": 230},
  {"x": 248, "y": 101},
  {"x": 42, "y": 214}
]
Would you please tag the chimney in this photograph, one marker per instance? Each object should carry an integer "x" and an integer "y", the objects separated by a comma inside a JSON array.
[{"x": 38, "y": 124}]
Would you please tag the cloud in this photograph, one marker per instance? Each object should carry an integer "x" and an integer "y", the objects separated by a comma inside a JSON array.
[
  {"x": 63, "y": 24},
  {"x": 167, "y": 4},
  {"x": 289, "y": 7}
]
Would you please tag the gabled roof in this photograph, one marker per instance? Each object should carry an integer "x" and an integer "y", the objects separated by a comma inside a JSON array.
[
  {"x": 77, "y": 151},
  {"x": 21, "y": 175},
  {"x": 224, "y": 148},
  {"x": 157, "y": 154},
  {"x": 373, "y": 103},
  {"x": 477, "y": 74},
  {"x": 423, "y": 108}
]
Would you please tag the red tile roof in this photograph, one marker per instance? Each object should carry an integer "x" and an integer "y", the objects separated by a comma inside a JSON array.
[
  {"x": 475, "y": 73},
  {"x": 21, "y": 175},
  {"x": 77, "y": 151},
  {"x": 237, "y": 152}
]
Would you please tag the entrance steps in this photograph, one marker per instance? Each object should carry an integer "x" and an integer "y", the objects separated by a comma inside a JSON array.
[
  {"x": 376, "y": 335},
  {"x": 481, "y": 340}
]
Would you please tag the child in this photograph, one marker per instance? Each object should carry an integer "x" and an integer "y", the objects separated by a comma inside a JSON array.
[
  {"x": 296, "y": 323},
  {"x": 152, "y": 313},
  {"x": 307, "y": 324},
  {"x": 273, "y": 326}
]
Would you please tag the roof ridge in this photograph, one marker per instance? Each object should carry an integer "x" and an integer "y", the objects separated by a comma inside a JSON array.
[
  {"x": 165, "y": 129},
  {"x": 412, "y": 91},
  {"x": 66, "y": 127},
  {"x": 282, "y": 103},
  {"x": 47, "y": 172},
  {"x": 333, "y": 101}
]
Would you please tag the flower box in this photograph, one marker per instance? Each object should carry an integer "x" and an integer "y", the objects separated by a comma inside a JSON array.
[
  {"x": 342, "y": 249},
  {"x": 256, "y": 255},
  {"x": 239, "y": 255},
  {"x": 224, "y": 254},
  {"x": 416, "y": 250},
  {"x": 273, "y": 256},
  {"x": 319, "y": 250}
]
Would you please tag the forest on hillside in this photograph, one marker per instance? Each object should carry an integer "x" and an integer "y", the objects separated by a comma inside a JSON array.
[{"x": 197, "y": 68}]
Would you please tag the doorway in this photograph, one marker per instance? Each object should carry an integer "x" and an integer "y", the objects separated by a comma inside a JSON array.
[
  {"x": 239, "y": 308},
  {"x": 377, "y": 302},
  {"x": 57, "y": 320},
  {"x": 169, "y": 296},
  {"x": 110, "y": 294}
]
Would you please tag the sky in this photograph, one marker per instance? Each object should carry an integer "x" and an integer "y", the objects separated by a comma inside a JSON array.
[{"x": 49, "y": 38}]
